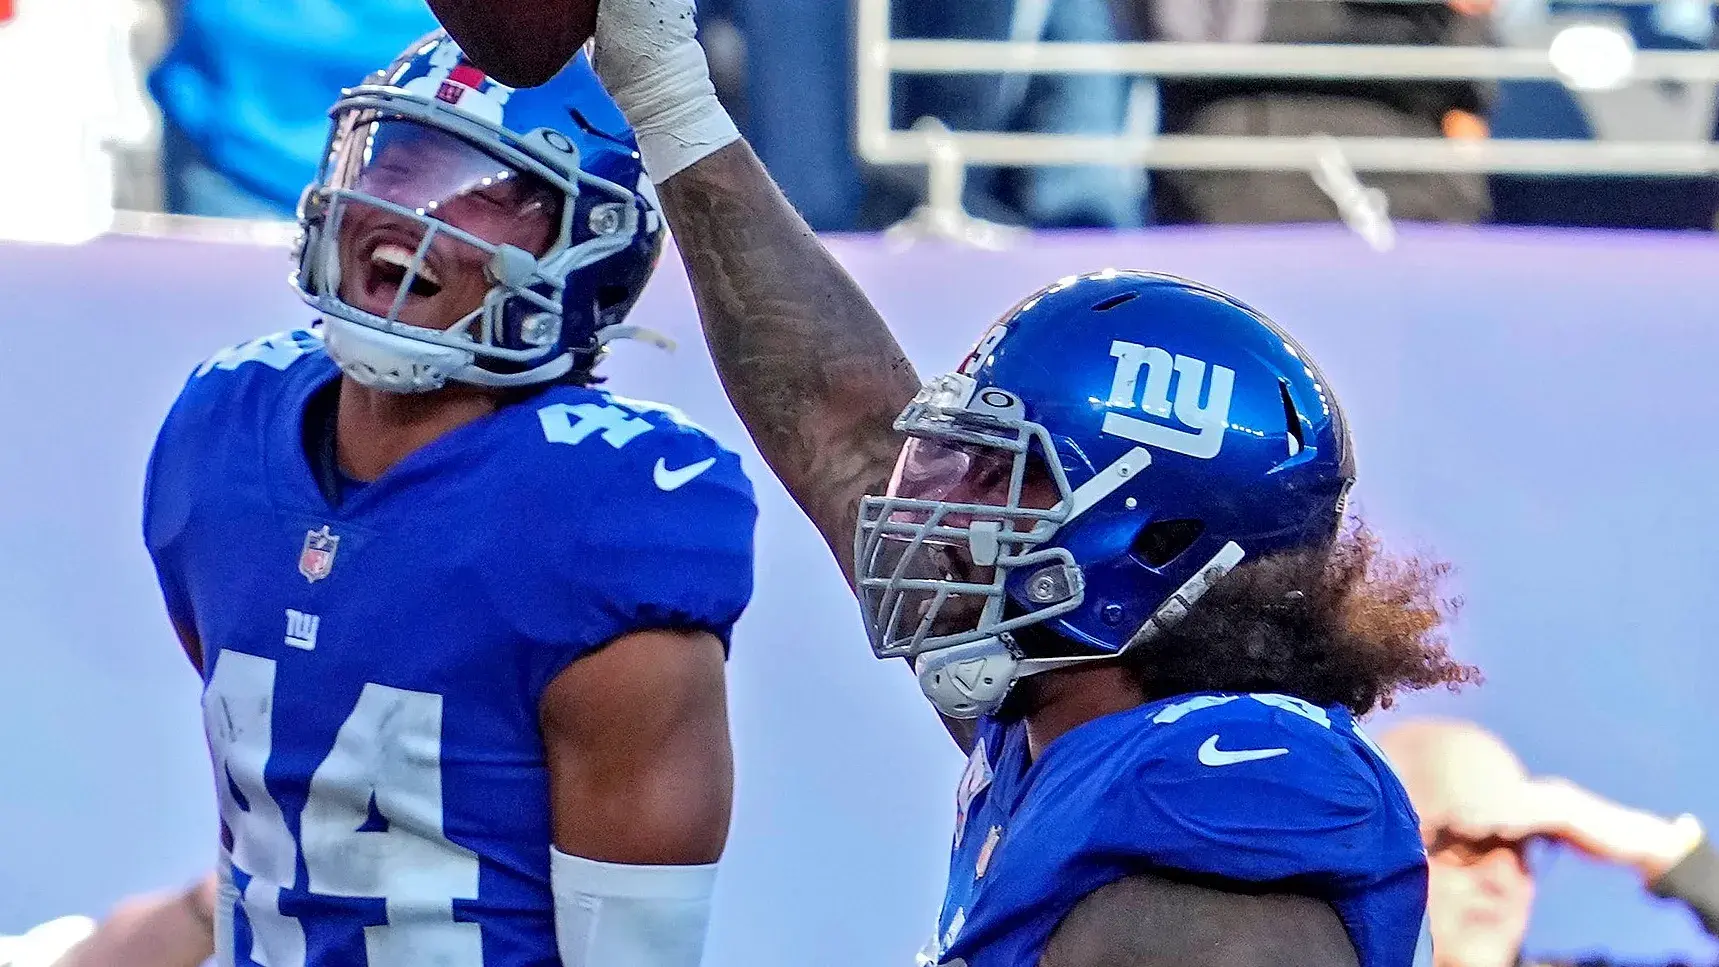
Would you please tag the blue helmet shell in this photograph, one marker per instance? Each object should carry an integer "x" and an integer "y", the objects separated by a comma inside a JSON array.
[{"x": 1246, "y": 440}]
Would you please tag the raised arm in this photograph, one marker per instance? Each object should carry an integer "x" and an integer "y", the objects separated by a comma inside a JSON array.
[
  {"x": 807, "y": 361},
  {"x": 810, "y": 366}
]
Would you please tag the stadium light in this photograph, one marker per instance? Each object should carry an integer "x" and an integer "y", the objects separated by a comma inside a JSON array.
[{"x": 1593, "y": 56}]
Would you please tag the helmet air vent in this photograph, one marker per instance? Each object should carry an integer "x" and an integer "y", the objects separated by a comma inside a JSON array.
[
  {"x": 1116, "y": 300},
  {"x": 1292, "y": 418},
  {"x": 1161, "y": 542}
]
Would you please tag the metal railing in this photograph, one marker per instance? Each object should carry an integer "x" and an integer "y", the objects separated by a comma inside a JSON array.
[
  {"x": 947, "y": 154},
  {"x": 881, "y": 57}
]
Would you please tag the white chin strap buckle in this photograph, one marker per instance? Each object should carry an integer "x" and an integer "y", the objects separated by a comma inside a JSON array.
[
  {"x": 967, "y": 681},
  {"x": 388, "y": 362}
]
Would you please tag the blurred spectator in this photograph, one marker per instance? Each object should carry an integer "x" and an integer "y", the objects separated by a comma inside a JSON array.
[
  {"x": 795, "y": 90},
  {"x": 245, "y": 87},
  {"x": 1086, "y": 104},
  {"x": 1676, "y": 111},
  {"x": 1090, "y": 104},
  {"x": 168, "y": 929},
  {"x": 1293, "y": 107},
  {"x": 57, "y": 174},
  {"x": 1480, "y": 811},
  {"x": 724, "y": 42}
]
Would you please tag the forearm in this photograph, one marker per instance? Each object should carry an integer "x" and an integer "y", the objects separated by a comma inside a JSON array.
[
  {"x": 810, "y": 366},
  {"x": 1673, "y": 856}
]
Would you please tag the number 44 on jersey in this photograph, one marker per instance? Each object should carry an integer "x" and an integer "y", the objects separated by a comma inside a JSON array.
[{"x": 387, "y": 757}]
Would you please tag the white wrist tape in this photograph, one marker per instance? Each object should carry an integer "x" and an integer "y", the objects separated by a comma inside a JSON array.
[
  {"x": 652, "y": 65},
  {"x": 616, "y": 915},
  {"x": 678, "y": 120}
]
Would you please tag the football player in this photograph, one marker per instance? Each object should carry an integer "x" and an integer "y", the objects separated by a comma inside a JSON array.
[
  {"x": 1111, "y": 545},
  {"x": 461, "y": 616}
]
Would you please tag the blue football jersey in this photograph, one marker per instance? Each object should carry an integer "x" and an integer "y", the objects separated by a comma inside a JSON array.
[
  {"x": 1265, "y": 790},
  {"x": 372, "y": 671}
]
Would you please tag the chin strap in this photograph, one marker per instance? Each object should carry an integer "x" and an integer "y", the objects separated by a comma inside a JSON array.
[
  {"x": 640, "y": 333},
  {"x": 1171, "y": 612},
  {"x": 967, "y": 681},
  {"x": 1166, "y": 617}
]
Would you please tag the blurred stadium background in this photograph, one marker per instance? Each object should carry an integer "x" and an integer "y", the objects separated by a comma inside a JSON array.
[{"x": 1531, "y": 381}]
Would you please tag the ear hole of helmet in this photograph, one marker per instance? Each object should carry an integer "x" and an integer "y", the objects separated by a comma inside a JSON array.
[{"x": 1162, "y": 541}]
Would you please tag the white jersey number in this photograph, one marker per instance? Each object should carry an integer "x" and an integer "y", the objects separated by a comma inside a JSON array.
[
  {"x": 388, "y": 752},
  {"x": 278, "y": 351},
  {"x": 564, "y": 423}
]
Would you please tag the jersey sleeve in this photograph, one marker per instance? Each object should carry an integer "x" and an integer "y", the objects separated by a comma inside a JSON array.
[
  {"x": 657, "y": 536},
  {"x": 1271, "y": 791},
  {"x": 1254, "y": 798},
  {"x": 167, "y": 494}
]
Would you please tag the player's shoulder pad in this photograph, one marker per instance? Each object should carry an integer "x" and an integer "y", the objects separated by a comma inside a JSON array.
[
  {"x": 275, "y": 353},
  {"x": 237, "y": 387},
  {"x": 639, "y": 520},
  {"x": 224, "y": 401},
  {"x": 663, "y": 462},
  {"x": 1252, "y": 787},
  {"x": 1209, "y": 738},
  {"x": 254, "y": 368}
]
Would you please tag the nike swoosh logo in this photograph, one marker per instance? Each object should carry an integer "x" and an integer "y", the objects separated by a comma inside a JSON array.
[
  {"x": 1211, "y": 755},
  {"x": 671, "y": 480}
]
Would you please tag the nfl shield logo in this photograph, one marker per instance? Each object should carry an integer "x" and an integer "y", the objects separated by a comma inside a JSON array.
[{"x": 317, "y": 558}]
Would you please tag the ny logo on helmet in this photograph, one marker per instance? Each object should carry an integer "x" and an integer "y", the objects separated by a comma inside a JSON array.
[
  {"x": 1207, "y": 423},
  {"x": 454, "y": 81}
]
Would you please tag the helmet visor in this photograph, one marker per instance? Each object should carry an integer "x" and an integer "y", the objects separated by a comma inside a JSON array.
[
  {"x": 971, "y": 478},
  {"x": 442, "y": 177},
  {"x": 933, "y": 554}
]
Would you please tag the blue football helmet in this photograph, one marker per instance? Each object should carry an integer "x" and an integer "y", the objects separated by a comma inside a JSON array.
[
  {"x": 432, "y": 163},
  {"x": 1112, "y": 447}
]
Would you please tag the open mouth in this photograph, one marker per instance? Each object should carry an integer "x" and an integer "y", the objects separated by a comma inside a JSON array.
[{"x": 389, "y": 265}]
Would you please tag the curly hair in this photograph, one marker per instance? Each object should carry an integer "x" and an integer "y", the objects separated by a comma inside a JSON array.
[{"x": 1350, "y": 624}]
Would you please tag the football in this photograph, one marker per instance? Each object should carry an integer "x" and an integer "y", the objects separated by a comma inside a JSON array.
[{"x": 521, "y": 43}]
